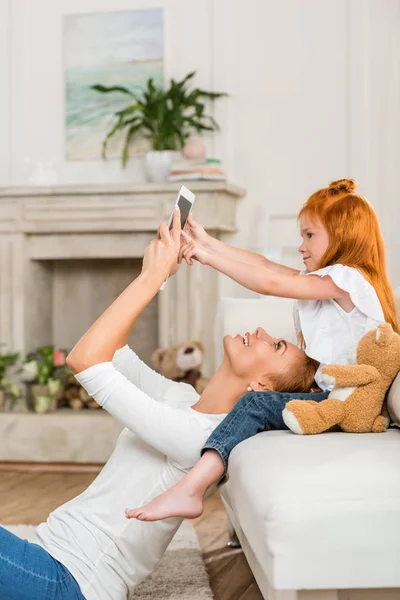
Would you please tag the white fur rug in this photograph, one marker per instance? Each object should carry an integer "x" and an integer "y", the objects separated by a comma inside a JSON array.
[{"x": 180, "y": 575}]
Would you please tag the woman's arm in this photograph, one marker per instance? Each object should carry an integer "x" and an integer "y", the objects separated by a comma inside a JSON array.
[
  {"x": 127, "y": 362},
  {"x": 198, "y": 234},
  {"x": 112, "y": 328},
  {"x": 175, "y": 432}
]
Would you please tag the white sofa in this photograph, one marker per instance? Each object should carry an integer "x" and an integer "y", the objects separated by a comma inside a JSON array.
[{"x": 318, "y": 517}]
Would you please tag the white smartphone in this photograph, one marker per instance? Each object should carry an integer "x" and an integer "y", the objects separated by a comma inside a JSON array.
[{"x": 185, "y": 201}]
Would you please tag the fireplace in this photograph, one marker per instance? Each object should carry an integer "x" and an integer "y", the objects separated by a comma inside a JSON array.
[
  {"x": 66, "y": 252},
  {"x": 76, "y": 292}
]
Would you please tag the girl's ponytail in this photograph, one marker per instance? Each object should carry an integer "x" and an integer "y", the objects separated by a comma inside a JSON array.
[{"x": 342, "y": 186}]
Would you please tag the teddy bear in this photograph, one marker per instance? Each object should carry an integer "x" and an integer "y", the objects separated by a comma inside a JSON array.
[
  {"x": 182, "y": 362},
  {"x": 355, "y": 404}
]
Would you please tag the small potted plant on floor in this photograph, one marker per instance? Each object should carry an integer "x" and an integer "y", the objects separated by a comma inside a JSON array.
[
  {"x": 166, "y": 117},
  {"x": 44, "y": 369},
  {"x": 7, "y": 390}
]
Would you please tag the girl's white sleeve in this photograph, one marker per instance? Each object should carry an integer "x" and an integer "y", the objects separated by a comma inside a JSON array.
[
  {"x": 361, "y": 292},
  {"x": 127, "y": 362},
  {"x": 179, "y": 433}
]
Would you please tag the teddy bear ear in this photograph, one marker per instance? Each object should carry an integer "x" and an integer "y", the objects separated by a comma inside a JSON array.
[
  {"x": 384, "y": 334},
  {"x": 157, "y": 357},
  {"x": 198, "y": 345}
]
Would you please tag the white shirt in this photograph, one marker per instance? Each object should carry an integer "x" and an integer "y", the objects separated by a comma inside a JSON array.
[
  {"x": 106, "y": 553},
  {"x": 332, "y": 334}
]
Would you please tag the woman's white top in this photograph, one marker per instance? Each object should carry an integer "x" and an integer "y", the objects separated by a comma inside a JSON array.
[
  {"x": 106, "y": 553},
  {"x": 331, "y": 334}
]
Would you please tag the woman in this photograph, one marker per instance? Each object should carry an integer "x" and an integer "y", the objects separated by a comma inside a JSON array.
[{"x": 88, "y": 548}]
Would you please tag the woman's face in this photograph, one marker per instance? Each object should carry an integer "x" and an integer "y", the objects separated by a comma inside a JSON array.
[
  {"x": 315, "y": 242},
  {"x": 255, "y": 356}
]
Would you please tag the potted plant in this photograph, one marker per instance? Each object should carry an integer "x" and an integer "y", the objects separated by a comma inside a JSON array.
[
  {"x": 42, "y": 370},
  {"x": 7, "y": 389},
  {"x": 167, "y": 117}
]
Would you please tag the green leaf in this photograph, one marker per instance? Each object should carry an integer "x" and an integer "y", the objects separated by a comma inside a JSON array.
[
  {"x": 109, "y": 135},
  {"x": 212, "y": 95},
  {"x": 212, "y": 121},
  {"x": 115, "y": 88},
  {"x": 137, "y": 107},
  {"x": 125, "y": 152},
  {"x": 190, "y": 75}
]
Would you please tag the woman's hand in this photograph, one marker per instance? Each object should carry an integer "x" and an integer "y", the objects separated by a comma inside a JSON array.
[
  {"x": 161, "y": 255},
  {"x": 192, "y": 250}
]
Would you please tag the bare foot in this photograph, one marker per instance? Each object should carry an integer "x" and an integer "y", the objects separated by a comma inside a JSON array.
[{"x": 178, "y": 501}]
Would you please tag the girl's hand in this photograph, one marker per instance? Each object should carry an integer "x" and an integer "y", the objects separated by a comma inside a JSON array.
[
  {"x": 197, "y": 232},
  {"x": 161, "y": 255},
  {"x": 192, "y": 250}
]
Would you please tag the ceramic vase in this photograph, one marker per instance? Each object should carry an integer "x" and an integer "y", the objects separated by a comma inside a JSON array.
[{"x": 158, "y": 164}]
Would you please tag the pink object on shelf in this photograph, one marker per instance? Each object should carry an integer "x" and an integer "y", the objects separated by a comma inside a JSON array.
[{"x": 194, "y": 148}]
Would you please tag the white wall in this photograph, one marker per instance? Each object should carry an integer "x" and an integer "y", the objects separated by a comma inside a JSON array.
[
  {"x": 288, "y": 116},
  {"x": 374, "y": 112},
  {"x": 314, "y": 96},
  {"x": 37, "y": 91},
  {"x": 5, "y": 116}
]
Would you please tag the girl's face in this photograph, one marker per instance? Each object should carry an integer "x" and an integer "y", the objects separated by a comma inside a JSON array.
[
  {"x": 315, "y": 242},
  {"x": 254, "y": 357}
]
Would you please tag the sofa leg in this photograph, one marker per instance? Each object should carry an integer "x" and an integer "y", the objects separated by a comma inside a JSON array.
[{"x": 233, "y": 538}]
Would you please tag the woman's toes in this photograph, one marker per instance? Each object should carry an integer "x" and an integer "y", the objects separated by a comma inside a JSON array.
[{"x": 135, "y": 513}]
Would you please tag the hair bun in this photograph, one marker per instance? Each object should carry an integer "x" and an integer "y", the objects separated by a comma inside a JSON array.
[{"x": 342, "y": 185}]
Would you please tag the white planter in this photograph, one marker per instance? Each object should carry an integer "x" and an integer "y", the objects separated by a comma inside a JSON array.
[{"x": 158, "y": 164}]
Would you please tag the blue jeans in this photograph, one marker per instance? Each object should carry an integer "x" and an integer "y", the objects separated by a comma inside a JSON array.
[
  {"x": 28, "y": 572},
  {"x": 252, "y": 413}
]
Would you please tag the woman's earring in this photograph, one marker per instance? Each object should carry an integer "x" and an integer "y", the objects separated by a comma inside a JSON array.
[{"x": 249, "y": 388}]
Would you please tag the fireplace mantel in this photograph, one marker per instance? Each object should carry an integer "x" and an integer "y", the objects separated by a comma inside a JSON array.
[
  {"x": 103, "y": 222},
  {"x": 87, "y": 208}
]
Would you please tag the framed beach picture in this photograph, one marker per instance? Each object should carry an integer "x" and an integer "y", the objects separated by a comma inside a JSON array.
[{"x": 111, "y": 49}]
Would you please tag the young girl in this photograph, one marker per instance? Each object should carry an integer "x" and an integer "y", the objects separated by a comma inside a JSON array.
[{"x": 346, "y": 293}]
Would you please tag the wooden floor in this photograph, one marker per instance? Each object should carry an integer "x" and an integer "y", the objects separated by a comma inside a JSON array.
[{"x": 28, "y": 495}]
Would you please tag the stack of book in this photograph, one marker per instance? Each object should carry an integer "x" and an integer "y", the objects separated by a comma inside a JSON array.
[{"x": 186, "y": 170}]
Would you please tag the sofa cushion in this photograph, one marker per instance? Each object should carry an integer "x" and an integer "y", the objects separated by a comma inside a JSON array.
[
  {"x": 319, "y": 511},
  {"x": 393, "y": 401}
]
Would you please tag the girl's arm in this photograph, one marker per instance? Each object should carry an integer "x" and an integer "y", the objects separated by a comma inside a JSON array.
[
  {"x": 263, "y": 280},
  {"x": 267, "y": 282},
  {"x": 248, "y": 257},
  {"x": 198, "y": 234},
  {"x": 112, "y": 328}
]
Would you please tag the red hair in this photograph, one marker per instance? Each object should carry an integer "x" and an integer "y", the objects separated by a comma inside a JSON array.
[
  {"x": 298, "y": 378},
  {"x": 355, "y": 238}
]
